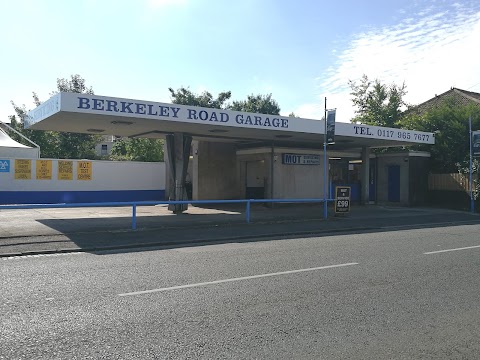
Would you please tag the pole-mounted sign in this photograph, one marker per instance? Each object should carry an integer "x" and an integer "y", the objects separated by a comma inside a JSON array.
[
  {"x": 476, "y": 143},
  {"x": 331, "y": 126}
]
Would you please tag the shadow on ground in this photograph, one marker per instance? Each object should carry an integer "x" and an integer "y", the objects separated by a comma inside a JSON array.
[{"x": 99, "y": 235}]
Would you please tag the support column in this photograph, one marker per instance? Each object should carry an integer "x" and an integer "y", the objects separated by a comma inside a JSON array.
[
  {"x": 365, "y": 178},
  {"x": 178, "y": 148}
]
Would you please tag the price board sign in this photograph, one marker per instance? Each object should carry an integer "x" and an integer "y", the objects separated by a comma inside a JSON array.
[{"x": 342, "y": 199}]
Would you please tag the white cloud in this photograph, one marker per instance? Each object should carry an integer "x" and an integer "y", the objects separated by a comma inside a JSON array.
[
  {"x": 430, "y": 51},
  {"x": 309, "y": 111}
]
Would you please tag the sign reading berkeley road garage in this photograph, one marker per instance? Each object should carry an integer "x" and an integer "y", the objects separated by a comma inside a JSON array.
[
  {"x": 192, "y": 113},
  {"x": 93, "y": 104}
]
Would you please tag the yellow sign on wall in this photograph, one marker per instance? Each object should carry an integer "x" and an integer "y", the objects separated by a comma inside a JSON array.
[
  {"x": 65, "y": 170},
  {"x": 44, "y": 170},
  {"x": 84, "y": 170},
  {"x": 23, "y": 169}
]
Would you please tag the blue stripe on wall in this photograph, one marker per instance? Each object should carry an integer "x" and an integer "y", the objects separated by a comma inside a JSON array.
[{"x": 59, "y": 197}]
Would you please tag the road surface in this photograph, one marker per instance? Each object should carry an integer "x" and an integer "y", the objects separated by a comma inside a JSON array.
[{"x": 397, "y": 294}]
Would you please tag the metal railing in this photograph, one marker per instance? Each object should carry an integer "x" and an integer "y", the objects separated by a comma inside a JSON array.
[{"x": 134, "y": 205}]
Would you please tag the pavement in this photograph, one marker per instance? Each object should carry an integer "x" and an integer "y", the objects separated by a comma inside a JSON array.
[{"x": 62, "y": 230}]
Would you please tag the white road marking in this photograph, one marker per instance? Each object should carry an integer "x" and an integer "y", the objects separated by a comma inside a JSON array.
[
  {"x": 234, "y": 279},
  {"x": 426, "y": 225},
  {"x": 18, "y": 257},
  {"x": 448, "y": 250}
]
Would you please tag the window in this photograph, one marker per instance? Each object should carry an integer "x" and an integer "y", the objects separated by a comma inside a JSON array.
[{"x": 104, "y": 149}]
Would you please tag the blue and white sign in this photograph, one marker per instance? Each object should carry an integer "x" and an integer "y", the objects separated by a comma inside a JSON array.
[
  {"x": 4, "y": 165},
  {"x": 119, "y": 110},
  {"x": 476, "y": 143},
  {"x": 300, "y": 159}
]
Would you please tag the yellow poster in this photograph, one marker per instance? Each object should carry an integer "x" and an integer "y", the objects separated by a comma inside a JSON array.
[
  {"x": 23, "y": 169},
  {"x": 65, "y": 170},
  {"x": 44, "y": 170},
  {"x": 84, "y": 170}
]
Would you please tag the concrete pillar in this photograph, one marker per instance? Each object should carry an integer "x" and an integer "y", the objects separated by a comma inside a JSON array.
[
  {"x": 216, "y": 171},
  {"x": 365, "y": 178},
  {"x": 178, "y": 149}
]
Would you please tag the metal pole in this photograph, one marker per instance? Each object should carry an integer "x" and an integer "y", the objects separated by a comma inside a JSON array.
[
  {"x": 272, "y": 171},
  {"x": 134, "y": 216},
  {"x": 472, "y": 203},
  {"x": 325, "y": 210}
]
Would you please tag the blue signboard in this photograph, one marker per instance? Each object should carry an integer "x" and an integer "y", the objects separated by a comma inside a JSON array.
[
  {"x": 4, "y": 165},
  {"x": 331, "y": 126},
  {"x": 476, "y": 143}
]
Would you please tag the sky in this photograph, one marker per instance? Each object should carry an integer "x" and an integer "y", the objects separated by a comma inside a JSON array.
[{"x": 300, "y": 51}]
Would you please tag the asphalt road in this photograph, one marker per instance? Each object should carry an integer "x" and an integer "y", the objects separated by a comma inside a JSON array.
[{"x": 366, "y": 296}]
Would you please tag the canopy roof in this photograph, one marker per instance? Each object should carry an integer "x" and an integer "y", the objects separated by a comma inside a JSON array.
[
  {"x": 7, "y": 141},
  {"x": 83, "y": 113}
]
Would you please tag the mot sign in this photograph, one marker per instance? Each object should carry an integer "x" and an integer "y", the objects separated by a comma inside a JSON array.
[{"x": 342, "y": 199}]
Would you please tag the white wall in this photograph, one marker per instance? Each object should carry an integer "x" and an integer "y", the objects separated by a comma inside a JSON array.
[
  {"x": 383, "y": 162},
  {"x": 290, "y": 181},
  {"x": 24, "y": 152},
  {"x": 106, "y": 175},
  {"x": 298, "y": 181}
]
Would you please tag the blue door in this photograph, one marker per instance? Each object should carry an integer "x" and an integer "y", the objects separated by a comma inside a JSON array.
[
  {"x": 372, "y": 186},
  {"x": 394, "y": 183}
]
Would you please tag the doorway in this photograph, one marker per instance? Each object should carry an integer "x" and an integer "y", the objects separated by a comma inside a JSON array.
[
  {"x": 394, "y": 183},
  {"x": 255, "y": 179}
]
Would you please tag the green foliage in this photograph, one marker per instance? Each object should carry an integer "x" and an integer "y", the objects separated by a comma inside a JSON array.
[
  {"x": 292, "y": 114},
  {"x": 464, "y": 168},
  {"x": 54, "y": 144},
  {"x": 262, "y": 104},
  {"x": 376, "y": 103},
  {"x": 449, "y": 122},
  {"x": 76, "y": 84},
  {"x": 184, "y": 96},
  {"x": 137, "y": 149}
]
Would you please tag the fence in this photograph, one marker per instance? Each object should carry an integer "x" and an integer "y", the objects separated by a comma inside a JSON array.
[
  {"x": 449, "y": 182},
  {"x": 134, "y": 205}
]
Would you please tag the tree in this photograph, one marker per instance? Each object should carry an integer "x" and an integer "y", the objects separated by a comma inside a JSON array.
[
  {"x": 73, "y": 145},
  {"x": 262, "y": 104},
  {"x": 184, "y": 96},
  {"x": 45, "y": 139},
  {"x": 464, "y": 168},
  {"x": 137, "y": 149},
  {"x": 58, "y": 144},
  {"x": 376, "y": 103},
  {"x": 449, "y": 122}
]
